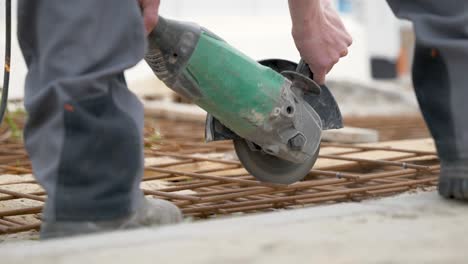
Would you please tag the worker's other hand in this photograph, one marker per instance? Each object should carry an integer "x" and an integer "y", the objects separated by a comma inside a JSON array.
[
  {"x": 319, "y": 34},
  {"x": 150, "y": 9}
]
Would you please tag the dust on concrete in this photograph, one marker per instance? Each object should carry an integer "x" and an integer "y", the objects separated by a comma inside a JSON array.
[{"x": 18, "y": 237}]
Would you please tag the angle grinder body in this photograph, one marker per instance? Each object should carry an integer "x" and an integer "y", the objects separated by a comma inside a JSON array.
[{"x": 271, "y": 109}]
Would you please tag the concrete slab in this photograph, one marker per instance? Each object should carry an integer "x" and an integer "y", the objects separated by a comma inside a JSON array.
[
  {"x": 352, "y": 135},
  {"x": 411, "y": 228}
]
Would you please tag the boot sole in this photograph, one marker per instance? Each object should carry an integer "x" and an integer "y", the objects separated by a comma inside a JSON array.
[{"x": 453, "y": 188}]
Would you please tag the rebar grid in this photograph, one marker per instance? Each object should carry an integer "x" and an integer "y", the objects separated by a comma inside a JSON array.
[{"x": 206, "y": 180}]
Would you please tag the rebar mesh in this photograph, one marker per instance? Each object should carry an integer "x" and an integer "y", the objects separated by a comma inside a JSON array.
[{"x": 206, "y": 180}]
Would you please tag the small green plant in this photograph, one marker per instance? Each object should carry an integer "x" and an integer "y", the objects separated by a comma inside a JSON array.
[
  {"x": 153, "y": 139},
  {"x": 15, "y": 131},
  {"x": 10, "y": 117}
]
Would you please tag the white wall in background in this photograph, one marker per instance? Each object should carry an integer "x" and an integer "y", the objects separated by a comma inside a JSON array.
[
  {"x": 383, "y": 30},
  {"x": 262, "y": 29},
  {"x": 18, "y": 67},
  {"x": 259, "y": 28},
  {"x": 191, "y": 8}
]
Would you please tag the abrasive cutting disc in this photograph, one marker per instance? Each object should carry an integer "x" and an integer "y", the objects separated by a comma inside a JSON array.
[{"x": 268, "y": 168}]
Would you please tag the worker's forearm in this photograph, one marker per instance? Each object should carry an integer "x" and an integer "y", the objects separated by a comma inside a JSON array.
[{"x": 304, "y": 14}]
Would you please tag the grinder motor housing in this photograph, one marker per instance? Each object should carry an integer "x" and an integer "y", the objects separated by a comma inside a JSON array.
[{"x": 263, "y": 103}]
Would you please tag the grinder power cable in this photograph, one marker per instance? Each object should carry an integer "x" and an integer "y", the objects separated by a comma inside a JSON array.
[{"x": 6, "y": 66}]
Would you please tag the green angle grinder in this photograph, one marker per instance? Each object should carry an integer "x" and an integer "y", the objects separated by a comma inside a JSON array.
[{"x": 272, "y": 109}]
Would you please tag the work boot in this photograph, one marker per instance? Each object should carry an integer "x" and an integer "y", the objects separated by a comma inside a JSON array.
[
  {"x": 453, "y": 182},
  {"x": 153, "y": 212}
]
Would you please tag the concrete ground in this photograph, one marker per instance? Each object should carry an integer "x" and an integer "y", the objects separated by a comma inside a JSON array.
[{"x": 411, "y": 228}]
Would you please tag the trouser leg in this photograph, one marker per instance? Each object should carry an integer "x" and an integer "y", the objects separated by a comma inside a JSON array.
[
  {"x": 84, "y": 127},
  {"x": 441, "y": 82}
]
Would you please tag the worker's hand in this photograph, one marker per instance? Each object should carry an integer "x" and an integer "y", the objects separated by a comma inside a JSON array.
[
  {"x": 150, "y": 9},
  {"x": 319, "y": 34}
]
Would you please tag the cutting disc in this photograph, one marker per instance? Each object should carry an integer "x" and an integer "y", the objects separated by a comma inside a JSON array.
[{"x": 268, "y": 168}]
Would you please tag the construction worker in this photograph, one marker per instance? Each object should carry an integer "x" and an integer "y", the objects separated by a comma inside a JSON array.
[
  {"x": 439, "y": 72},
  {"x": 84, "y": 130}
]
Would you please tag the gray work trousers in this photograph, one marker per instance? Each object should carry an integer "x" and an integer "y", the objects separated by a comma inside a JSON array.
[
  {"x": 84, "y": 129},
  {"x": 440, "y": 74}
]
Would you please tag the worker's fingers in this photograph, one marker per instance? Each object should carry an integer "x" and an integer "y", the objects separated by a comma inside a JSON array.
[
  {"x": 349, "y": 39},
  {"x": 320, "y": 77},
  {"x": 150, "y": 20},
  {"x": 150, "y": 9},
  {"x": 322, "y": 64},
  {"x": 344, "y": 53},
  {"x": 344, "y": 36},
  {"x": 332, "y": 64}
]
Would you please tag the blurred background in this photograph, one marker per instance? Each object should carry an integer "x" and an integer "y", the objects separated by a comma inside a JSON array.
[{"x": 373, "y": 80}]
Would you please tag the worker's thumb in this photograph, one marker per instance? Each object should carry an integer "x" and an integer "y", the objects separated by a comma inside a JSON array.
[{"x": 319, "y": 78}]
